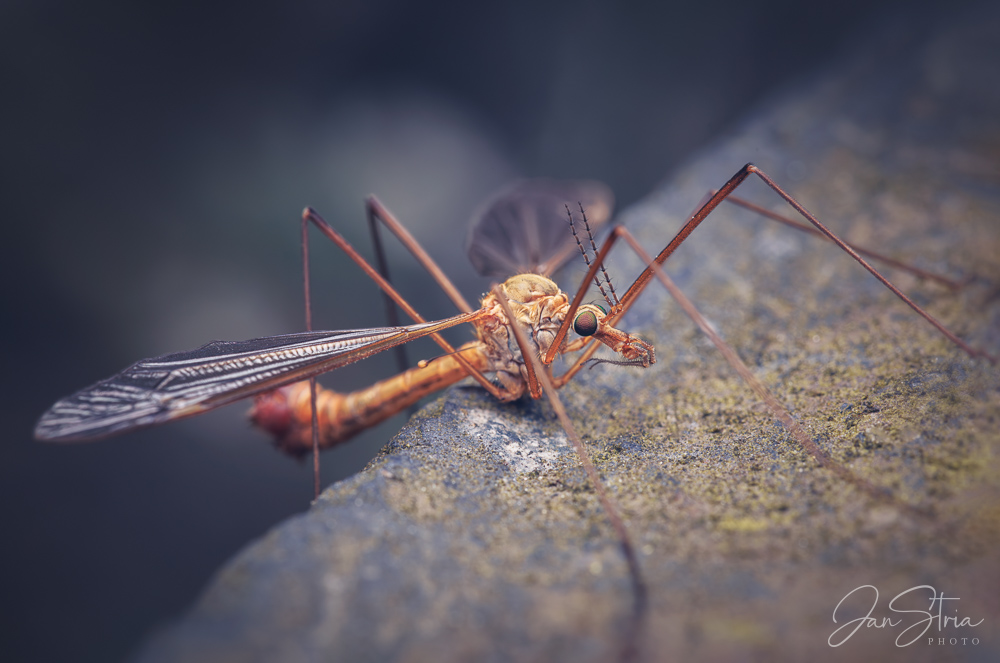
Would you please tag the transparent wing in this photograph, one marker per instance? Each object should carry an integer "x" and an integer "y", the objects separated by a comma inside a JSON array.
[
  {"x": 185, "y": 383},
  {"x": 524, "y": 227}
]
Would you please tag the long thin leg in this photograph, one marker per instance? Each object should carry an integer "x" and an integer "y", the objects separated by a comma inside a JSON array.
[
  {"x": 892, "y": 262},
  {"x": 376, "y": 210},
  {"x": 874, "y": 255},
  {"x": 391, "y": 313},
  {"x": 639, "y": 592},
  {"x": 310, "y": 215},
  {"x": 972, "y": 352},
  {"x": 312, "y": 381}
]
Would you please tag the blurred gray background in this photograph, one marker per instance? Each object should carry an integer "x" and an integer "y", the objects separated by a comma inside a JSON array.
[{"x": 155, "y": 161}]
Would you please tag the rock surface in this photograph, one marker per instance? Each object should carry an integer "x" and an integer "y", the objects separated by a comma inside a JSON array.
[{"x": 474, "y": 535}]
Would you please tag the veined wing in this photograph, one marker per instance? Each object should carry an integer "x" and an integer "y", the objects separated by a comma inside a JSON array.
[
  {"x": 185, "y": 383},
  {"x": 524, "y": 228}
]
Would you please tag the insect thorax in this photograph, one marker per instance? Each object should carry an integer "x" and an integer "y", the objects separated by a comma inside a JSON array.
[{"x": 540, "y": 307}]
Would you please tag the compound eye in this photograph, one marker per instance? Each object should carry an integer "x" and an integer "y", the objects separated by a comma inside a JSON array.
[{"x": 585, "y": 324}]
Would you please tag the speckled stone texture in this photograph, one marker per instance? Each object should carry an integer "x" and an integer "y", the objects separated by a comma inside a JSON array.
[{"x": 474, "y": 535}]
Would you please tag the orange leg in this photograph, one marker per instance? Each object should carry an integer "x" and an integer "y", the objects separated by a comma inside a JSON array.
[{"x": 539, "y": 378}]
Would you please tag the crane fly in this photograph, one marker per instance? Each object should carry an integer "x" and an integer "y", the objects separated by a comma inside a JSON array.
[
  {"x": 177, "y": 385},
  {"x": 524, "y": 233}
]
